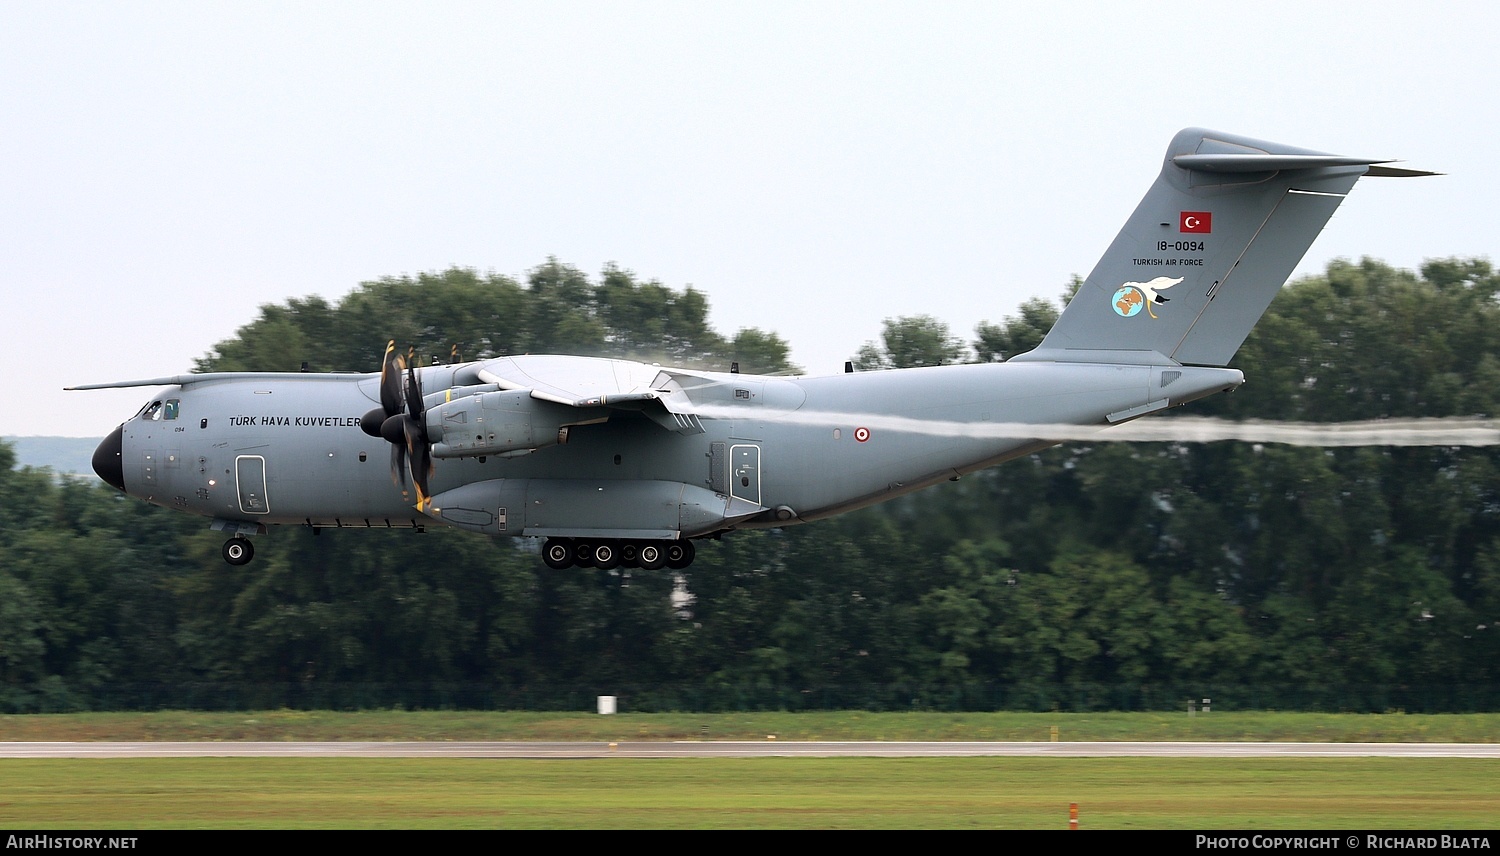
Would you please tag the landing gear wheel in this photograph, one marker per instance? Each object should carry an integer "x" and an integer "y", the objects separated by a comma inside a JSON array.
[
  {"x": 557, "y": 553},
  {"x": 583, "y": 554},
  {"x": 630, "y": 554},
  {"x": 238, "y": 551},
  {"x": 651, "y": 556},
  {"x": 680, "y": 554},
  {"x": 607, "y": 555}
]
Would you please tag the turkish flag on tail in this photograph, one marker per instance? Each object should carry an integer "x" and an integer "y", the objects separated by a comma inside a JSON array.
[{"x": 1201, "y": 222}]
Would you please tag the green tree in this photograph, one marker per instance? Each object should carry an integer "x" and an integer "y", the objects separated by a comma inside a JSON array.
[
  {"x": 648, "y": 321},
  {"x": 558, "y": 311},
  {"x": 1120, "y": 565},
  {"x": 760, "y": 352},
  {"x": 909, "y": 342},
  {"x": 560, "y": 316},
  {"x": 1016, "y": 334}
]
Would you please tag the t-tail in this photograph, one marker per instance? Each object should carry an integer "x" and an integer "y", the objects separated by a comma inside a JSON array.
[{"x": 1205, "y": 252}]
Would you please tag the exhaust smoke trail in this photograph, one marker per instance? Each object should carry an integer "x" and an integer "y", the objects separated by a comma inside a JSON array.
[
  {"x": 1446, "y": 431},
  {"x": 1452, "y": 431}
]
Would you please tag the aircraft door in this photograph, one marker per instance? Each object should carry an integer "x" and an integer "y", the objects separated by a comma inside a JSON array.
[
  {"x": 250, "y": 480},
  {"x": 744, "y": 476}
]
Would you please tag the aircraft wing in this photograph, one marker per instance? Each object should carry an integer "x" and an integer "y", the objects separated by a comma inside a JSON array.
[
  {"x": 185, "y": 380},
  {"x": 595, "y": 382}
]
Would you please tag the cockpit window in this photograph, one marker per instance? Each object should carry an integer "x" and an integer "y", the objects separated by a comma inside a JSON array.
[
  {"x": 151, "y": 411},
  {"x": 171, "y": 409}
]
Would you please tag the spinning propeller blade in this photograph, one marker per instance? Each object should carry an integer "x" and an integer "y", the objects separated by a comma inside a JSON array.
[{"x": 401, "y": 421}]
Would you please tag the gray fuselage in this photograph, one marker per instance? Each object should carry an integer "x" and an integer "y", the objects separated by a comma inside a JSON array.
[{"x": 289, "y": 450}]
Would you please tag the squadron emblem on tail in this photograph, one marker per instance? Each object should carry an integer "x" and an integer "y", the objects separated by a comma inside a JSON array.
[{"x": 1129, "y": 297}]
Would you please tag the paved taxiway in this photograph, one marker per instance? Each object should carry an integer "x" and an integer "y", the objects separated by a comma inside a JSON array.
[{"x": 739, "y": 749}]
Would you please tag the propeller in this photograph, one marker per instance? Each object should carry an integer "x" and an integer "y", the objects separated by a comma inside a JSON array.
[
  {"x": 401, "y": 421},
  {"x": 390, "y": 392}
]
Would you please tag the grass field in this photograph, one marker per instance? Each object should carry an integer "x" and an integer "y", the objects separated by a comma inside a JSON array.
[
  {"x": 754, "y": 793},
  {"x": 749, "y": 793}
]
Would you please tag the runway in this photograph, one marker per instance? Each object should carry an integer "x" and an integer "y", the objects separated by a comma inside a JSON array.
[{"x": 740, "y": 749}]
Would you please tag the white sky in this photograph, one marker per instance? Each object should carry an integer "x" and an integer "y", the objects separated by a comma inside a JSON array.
[{"x": 813, "y": 167}]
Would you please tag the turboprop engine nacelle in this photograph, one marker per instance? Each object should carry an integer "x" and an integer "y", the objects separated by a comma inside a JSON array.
[{"x": 508, "y": 422}]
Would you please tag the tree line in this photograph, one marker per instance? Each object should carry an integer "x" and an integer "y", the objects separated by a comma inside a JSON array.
[{"x": 1092, "y": 575}]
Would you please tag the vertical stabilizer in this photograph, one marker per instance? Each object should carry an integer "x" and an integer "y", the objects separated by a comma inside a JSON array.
[{"x": 1204, "y": 253}]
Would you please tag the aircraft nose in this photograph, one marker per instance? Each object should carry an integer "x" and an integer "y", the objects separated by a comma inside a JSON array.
[{"x": 108, "y": 462}]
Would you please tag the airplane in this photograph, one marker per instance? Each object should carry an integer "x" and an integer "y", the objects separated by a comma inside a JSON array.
[{"x": 617, "y": 462}]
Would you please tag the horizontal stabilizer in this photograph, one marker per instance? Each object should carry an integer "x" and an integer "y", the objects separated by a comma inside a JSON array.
[
  {"x": 1398, "y": 172},
  {"x": 1266, "y": 163}
]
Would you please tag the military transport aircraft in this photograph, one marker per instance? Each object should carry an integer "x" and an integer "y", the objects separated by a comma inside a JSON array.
[{"x": 613, "y": 461}]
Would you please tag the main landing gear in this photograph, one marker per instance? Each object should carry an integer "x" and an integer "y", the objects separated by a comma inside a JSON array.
[
  {"x": 238, "y": 550},
  {"x": 608, "y": 553}
]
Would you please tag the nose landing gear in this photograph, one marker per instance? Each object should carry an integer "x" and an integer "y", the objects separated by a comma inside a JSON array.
[{"x": 238, "y": 550}]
